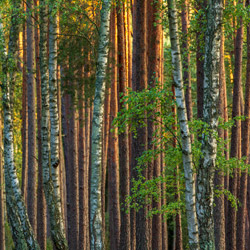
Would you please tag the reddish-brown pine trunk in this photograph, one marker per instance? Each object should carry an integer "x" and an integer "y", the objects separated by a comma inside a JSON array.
[
  {"x": 154, "y": 73},
  {"x": 231, "y": 225},
  {"x": 241, "y": 216},
  {"x": 106, "y": 131},
  {"x": 88, "y": 112},
  {"x": 24, "y": 118},
  {"x": 82, "y": 165},
  {"x": 113, "y": 150},
  {"x": 41, "y": 205},
  {"x": 2, "y": 227},
  {"x": 123, "y": 138},
  {"x": 32, "y": 163},
  {"x": 219, "y": 214},
  {"x": 139, "y": 83},
  {"x": 73, "y": 194}
]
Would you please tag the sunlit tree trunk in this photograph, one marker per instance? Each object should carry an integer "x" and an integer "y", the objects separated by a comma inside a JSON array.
[
  {"x": 32, "y": 162},
  {"x": 123, "y": 138},
  {"x": 24, "y": 117},
  {"x": 97, "y": 128},
  {"x": 57, "y": 233},
  {"x": 231, "y": 225},
  {"x": 185, "y": 134}
]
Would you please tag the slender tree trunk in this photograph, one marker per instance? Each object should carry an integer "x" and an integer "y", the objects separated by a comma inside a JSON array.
[
  {"x": 186, "y": 59},
  {"x": 185, "y": 134},
  {"x": 57, "y": 233},
  {"x": 241, "y": 216},
  {"x": 139, "y": 144},
  {"x": 97, "y": 128},
  {"x": 2, "y": 221},
  {"x": 24, "y": 117},
  {"x": 32, "y": 162},
  {"x": 205, "y": 176},
  {"x": 231, "y": 225},
  {"x": 219, "y": 209},
  {"x": 82, "y": 165},
  {"x": 113, "y": 150},
  {"x": 41, "y": 204},
  {"x": 21, "y": 229},
  {"x": 123, "y": 138},
  {"x": 154, "y": 72}
]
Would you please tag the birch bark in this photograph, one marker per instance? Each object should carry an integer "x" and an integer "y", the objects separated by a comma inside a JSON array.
[
  {"x": 185, "y": 134},
  {"x": 20, "y": 225},
  {"x": 57, "y": 232},
  {"x": 97, "y": 124},
  {"x": 205, "y": 176}
]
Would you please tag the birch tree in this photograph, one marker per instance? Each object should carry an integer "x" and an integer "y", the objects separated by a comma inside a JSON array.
[
  {"x": 57, "y": 232},
  {"x": 205, "y": 176},
  {"x": 20, "y": 226},
  {"x": 96, "y": 241},
  {"x": 185, "y": 134}
]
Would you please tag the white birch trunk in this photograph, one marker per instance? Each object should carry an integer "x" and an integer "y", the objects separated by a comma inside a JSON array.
[
  {"x": 53, "y": 104},
  {"x": 17, "y": 214},
  {"x": 205, "y": 176},
  {"x": 96, "y": 240},
  {"x": 57, "y": 232},
  {"x": 185, "y": 134}
]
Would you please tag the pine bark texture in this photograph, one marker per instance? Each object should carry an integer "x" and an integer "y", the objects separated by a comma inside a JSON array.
[
  {"x": 205, "y": 176},
  {"x": 96, "y": 241},
  {"x": 234, "y": 150},
  {"x": 242, "y": 212},
  {"x": 31, "y": 86},
  {"x": 57, "y": 234},
  {"x": 123, "y": 137},
  {"x": 185, "y": 134}
]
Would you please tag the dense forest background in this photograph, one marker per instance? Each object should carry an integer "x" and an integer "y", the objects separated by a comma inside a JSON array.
[{"x": 124, "y": 124}]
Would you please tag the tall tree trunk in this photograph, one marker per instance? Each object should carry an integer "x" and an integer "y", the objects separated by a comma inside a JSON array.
[
  {"x": 154, "y": 77},
  {"x": 113, "y": 150},
  {"x": 20, "y": 226},
  {"x": 231, "y": 225},
  {"x": 82, "y": 165},
  {"x": 241, "y": 216},
  {"x": 186, "y": 59},
  {"x": 2, "y": 205},
  {"x": 54, "y": 113},
  {"x": 24, "y": 117},
  {"x": 205, "y": 176},
  {"x": 32, "y": 162},
  {"x": 57, "y": 234},
  {"x": 139, "y": 144},
  {"x": 123, "y": 138},
  {"x": 185, "y": 134},
  {"x": 219, "y": 209},
  {"x": 41, "y": 204},
  {"x": 97, "y": 128}
]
